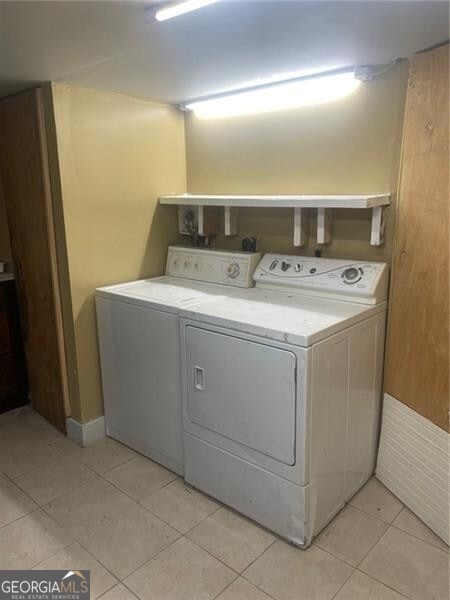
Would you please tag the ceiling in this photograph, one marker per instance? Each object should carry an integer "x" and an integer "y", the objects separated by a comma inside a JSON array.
[{"x": 119, "y": 46}]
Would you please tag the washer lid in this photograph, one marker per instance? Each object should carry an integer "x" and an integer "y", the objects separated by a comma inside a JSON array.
[
  {"x": 290, "y": 318},
  {"x": 164, "y": 293}
]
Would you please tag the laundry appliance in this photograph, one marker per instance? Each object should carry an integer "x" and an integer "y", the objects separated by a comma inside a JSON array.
[
  {"x": 281, "y": 390},
  {"x": 140, "y": 348}
]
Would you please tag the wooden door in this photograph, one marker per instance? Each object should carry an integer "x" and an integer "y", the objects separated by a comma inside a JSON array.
[
  {"x": 25, "y": 176},
  {"x": 417, "y": 367}
]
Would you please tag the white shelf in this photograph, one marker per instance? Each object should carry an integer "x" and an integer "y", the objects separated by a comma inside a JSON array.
[
  {"x": 323, "y": 204},
  {"x": 298, "y": 201}
]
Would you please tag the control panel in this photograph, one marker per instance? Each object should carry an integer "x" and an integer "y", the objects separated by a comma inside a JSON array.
[
  {"x": 363, "y": 282},
  {"x": 212, "y": 266}
]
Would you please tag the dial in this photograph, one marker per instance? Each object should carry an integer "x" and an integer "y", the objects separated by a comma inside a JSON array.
[
  {"x": 298, "y": 267},
  {"x": 233, "y": 270},
  {"x": 273, "y": 264},
  {"x": 351, "y": 275},
  {"x": 285, "y": 266}
]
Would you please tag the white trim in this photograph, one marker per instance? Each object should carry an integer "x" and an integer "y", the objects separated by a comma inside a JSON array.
[
  {"x": 297, "y": 201},
  {"x": 85, "y": 434},
  {"x": 413, "y": 461}
]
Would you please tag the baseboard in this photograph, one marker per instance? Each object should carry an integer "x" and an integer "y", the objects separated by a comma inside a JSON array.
[
  {"x": 413, "y": 460},
  {"x": 85, "y": 434}
]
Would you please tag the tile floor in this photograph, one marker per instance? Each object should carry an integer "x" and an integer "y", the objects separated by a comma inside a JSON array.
[{"x": 144, "y": 534}]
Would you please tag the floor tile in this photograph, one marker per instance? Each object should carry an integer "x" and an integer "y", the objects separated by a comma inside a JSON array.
[
  {"x": 407, "y": 521},
  {"x": 241, "y": 589},
  {"x": 130, "y": 539},
  {"x": 19, "y": 426},
  {"x": 66, "y": 444},
  {"x": 351, "y": 534},
  {"x": 410, "y": 566},
  {"x": 231, "y": 538},
  {"x": 288, "y": 573},
  {"x": 180, "y": 505},
  {"x": 25, "y": 418},
  {"x": 140, "y": 477},
  {"x": 30, "y": 540},
  {"x": 74, "y": 557},
  {"x": 83, "y": 511},
  {"x": 55, "y": 479},
  {"x": 13, "y": 502},
  {"x": 26, "y": 455},
  {"x": 362, "y": 587},
  {"x": 118, "y": 592},
  {"x": 104, "y": 455},
  {"x": 183, "y": 571},
  {"x": 377, "y": 500}
]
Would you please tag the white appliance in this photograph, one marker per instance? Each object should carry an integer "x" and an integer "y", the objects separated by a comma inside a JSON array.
[
  {"x": 140, "y": 348},
  {"x": 282, "y": 388}
]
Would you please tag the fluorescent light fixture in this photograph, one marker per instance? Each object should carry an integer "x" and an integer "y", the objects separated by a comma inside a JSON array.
[
  {"x": 180, "y": 8},
  {"x": 283, "y": 95}
]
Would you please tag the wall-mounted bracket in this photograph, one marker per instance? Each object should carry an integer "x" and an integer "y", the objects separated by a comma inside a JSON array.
[
  {"x": 378, "y": 225},
  {"x": 300, "y": 231},
  {"x": 231, "y": 214},
  {"x": 323, "y": 225}
]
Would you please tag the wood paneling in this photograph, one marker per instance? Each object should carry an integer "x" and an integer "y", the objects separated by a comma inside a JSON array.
[
  {"x": 417, "y": 367},
  {"x": 24, "y": 172}
]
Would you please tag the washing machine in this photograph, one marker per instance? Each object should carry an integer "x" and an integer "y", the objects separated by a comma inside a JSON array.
[
  {"x": 139, "y": 345},
  {"x": 282, "y": 389}
]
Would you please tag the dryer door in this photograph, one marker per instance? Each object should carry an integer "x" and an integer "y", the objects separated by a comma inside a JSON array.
[{"x": 242, "y": 390}]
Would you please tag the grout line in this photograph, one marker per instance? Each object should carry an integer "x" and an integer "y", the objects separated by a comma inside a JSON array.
[
  {"x": 185, "y": 533},
  {"x": 374, "y": 516},
  {"x": 447, "y": 550},
  {"x": 347, "y": 564},
  {"x": 21, "y": 517},
  {"x": 148, "y": 560},
  {"x": 317, "y": 545},
  {"x": 226, "y": 587},
  {"x": 343, "y": 584},
  {"x": 370, "y": 576},
  {"x": 128, "y": 589}
]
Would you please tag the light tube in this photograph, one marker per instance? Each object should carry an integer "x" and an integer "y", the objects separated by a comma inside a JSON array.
[
  {"x": 181, "y": 8},
  {"x": 279, "y": 96}
]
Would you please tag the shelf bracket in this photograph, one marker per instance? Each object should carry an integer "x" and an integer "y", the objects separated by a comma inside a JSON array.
[
  {"x": 378, "y": 225},
  {"x": 201, "y": 220},
  {"x": 231, "y": 220},
  {"x": 323, "y": 225},
  {"x": 300, "y": 233}
]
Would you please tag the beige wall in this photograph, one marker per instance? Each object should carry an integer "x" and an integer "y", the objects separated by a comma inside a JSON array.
[
  {"x": 348, "y": 146},
  {"x": 116, "y": 155}
]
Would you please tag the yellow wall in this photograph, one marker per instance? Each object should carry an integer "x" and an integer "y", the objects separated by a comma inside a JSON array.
[
  {"x": 116, "y": 156},
  {"x": 348, "y": 146}
]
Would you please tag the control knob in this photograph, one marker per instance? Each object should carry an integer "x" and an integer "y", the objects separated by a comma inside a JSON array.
[
  {"x": 233, "y": 270},
  {"x": 273, "y": 264},
  {"x": 351, "y": 275}
]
